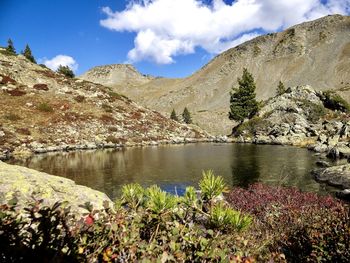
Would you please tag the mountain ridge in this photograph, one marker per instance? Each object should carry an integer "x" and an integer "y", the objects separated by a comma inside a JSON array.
[{"x": 315, "y": 53}]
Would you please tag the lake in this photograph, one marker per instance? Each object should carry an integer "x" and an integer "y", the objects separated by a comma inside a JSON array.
[{"x": 173, "y": 167}]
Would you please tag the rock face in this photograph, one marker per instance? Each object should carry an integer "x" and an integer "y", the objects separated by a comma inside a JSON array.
[
  {"x": 42, "y": 111},
  {"x": 315, "y": 53},
  {"x": 338, "y": 176},
  {"x": 29, "y": 185}
]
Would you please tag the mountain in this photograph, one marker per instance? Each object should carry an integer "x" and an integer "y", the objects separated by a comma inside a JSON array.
[
  {"x": 43, "y": 111},
  {"x": 315, "y": 53},
  {"x": 116, "y": 75}
]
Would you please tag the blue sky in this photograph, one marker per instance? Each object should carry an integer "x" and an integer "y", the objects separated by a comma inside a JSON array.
[{"x": 171, "y": 38}]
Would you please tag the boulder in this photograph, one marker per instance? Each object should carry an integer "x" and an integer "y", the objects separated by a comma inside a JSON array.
[
  {"x": 338, "y": 176},
  {"x": 27, "y": 185}
]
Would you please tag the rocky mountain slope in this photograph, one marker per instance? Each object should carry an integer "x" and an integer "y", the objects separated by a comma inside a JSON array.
[
  {"x": 315, "y": 53},
  {"x": 42, "y": 111},
  {"x": 117, "y": 75}
]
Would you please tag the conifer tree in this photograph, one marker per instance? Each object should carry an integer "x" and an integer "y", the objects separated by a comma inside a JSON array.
[
  {"x": 65, "y": 70},
  {"x": 280, "y": 88},
  {"x": 173, "y": 116},
  {"x": 186, "y": 115},
  {"x": 242, "y": 101},
  {"x": 28, "y": 54},
  {"x": 10, "y": 47}
]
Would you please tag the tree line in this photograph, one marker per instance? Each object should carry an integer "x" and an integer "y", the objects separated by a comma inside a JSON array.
[{"x": 27, "y": 53}]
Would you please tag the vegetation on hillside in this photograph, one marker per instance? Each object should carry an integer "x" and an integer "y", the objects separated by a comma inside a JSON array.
[
  {"x": 65, "y": 70},
  {"x": 242, "y": 101},
  {"x": 173, "y": 115},
  {"x": 258, "y": 224},
  {"x": 281, "y": 89},
  {"x": 186, "y": 116},
  {"x": 28, "y": 54},
  {"x": 10, "y": 47}
]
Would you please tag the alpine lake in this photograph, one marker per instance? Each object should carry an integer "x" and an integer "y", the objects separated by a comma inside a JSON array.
[{"x": 174, "y": 167}]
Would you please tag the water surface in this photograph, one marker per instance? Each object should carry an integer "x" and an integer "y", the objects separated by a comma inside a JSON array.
[{"x": 173, "y": 167}]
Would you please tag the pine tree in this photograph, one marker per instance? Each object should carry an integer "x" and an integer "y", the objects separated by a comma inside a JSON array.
[
  {"x": 242, "y": 101},
  {"x": 186, "y": 115},
  {"x": 65, "y": 70},
  {"x": 173, "y": 116},
  {"x": 28, "y": 54},
  {"x": 10, "y": 47},
  {"x": 280, "y": 88}
]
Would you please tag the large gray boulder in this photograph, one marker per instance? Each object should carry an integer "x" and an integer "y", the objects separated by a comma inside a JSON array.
[
  {"x": 29, "y": 185},
  {"x": 338, "y": 176}
]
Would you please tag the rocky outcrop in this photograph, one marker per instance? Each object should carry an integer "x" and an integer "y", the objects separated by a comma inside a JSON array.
[
  {"x": 116, "y": 75},
  {"x": 298, "y": 117},
  {"x": 42, "y": 111},
  {"x": 338, "y": 176},
  {"x": 28, "y": 186},
  {"x": 315, "y": 53}
]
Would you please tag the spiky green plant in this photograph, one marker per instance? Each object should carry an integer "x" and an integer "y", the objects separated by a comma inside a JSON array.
[
  {"x": 133, "y": 195},
  {"x": 226, "y": 218},
  {"x": 211, "y": 186},
  {"x": 159, "y": 201},
  {"x": 190, "y": 197}
]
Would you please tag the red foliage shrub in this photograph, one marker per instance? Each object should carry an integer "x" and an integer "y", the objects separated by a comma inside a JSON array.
[
  {"x": 305, "y": 227},
  {"x": 41, "y": 87},
  {"x": 106, "y": 118},
  {"x": 6, "y": 79},
  {"x": 23, "y": 131},
  {"x": 16, "y": 92}
]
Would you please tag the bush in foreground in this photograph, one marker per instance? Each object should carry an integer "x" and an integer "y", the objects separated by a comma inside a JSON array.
[
  {"x": 262, "y": 224},
  {"x": 146, "y": 225}
]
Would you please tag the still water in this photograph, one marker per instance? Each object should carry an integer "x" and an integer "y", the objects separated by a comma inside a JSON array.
[{"x": 174, "y": 167}]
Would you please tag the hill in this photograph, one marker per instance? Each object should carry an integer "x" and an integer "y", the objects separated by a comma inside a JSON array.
[
  {"x": 43, "y": 111},
  {"x": 315, "y": 53}
]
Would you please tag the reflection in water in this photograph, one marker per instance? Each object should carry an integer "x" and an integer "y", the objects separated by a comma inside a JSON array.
[{"x": 175, "y": 167}]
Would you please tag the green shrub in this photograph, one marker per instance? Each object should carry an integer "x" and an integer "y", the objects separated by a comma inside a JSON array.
[
  {"x": 211, "y": 186},
  {"x": 314, "y": 112},
  {"x": 12, "y": 117},
  {"x": 65, "y": 70},
  {"x": 44, "y": 107},
  {"x": 164, "y": 228},
  {"x": 333, "y": 101},
  {"x": 252, "y": 126}
]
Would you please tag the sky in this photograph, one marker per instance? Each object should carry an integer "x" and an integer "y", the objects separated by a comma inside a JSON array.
[{"x": 169, "y": 38}]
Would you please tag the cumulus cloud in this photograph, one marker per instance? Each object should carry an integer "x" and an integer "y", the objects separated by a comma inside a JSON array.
[
  {"x": 63, "y": 60},
  {"x": 167, "y": 28}
]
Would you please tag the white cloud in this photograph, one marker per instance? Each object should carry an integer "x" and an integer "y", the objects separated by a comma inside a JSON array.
[
  {"x": 63, "y": 60},
  {"x": 167, "y": 28}
]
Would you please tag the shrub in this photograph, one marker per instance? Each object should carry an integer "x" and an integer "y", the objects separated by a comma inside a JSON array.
[
  {"x": 211, "y": 186},
  {"x": 16, "y": 92},
  {"x": 164, "y": 228},
  {"x": 333, "y": 101},
  {"x": 252, "y": 126},
  {"x": 314, "y": 112},
  {"x": 65, "y": 70},
  {"x": 79, "y": 98},
  {"x": 12, "y": 117},
  {"x": 304, "y": 227},
  {"x": 107, "y": 107},
  {"x": 41, "y": 87},
  {"x": 45, "y": 107}
]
